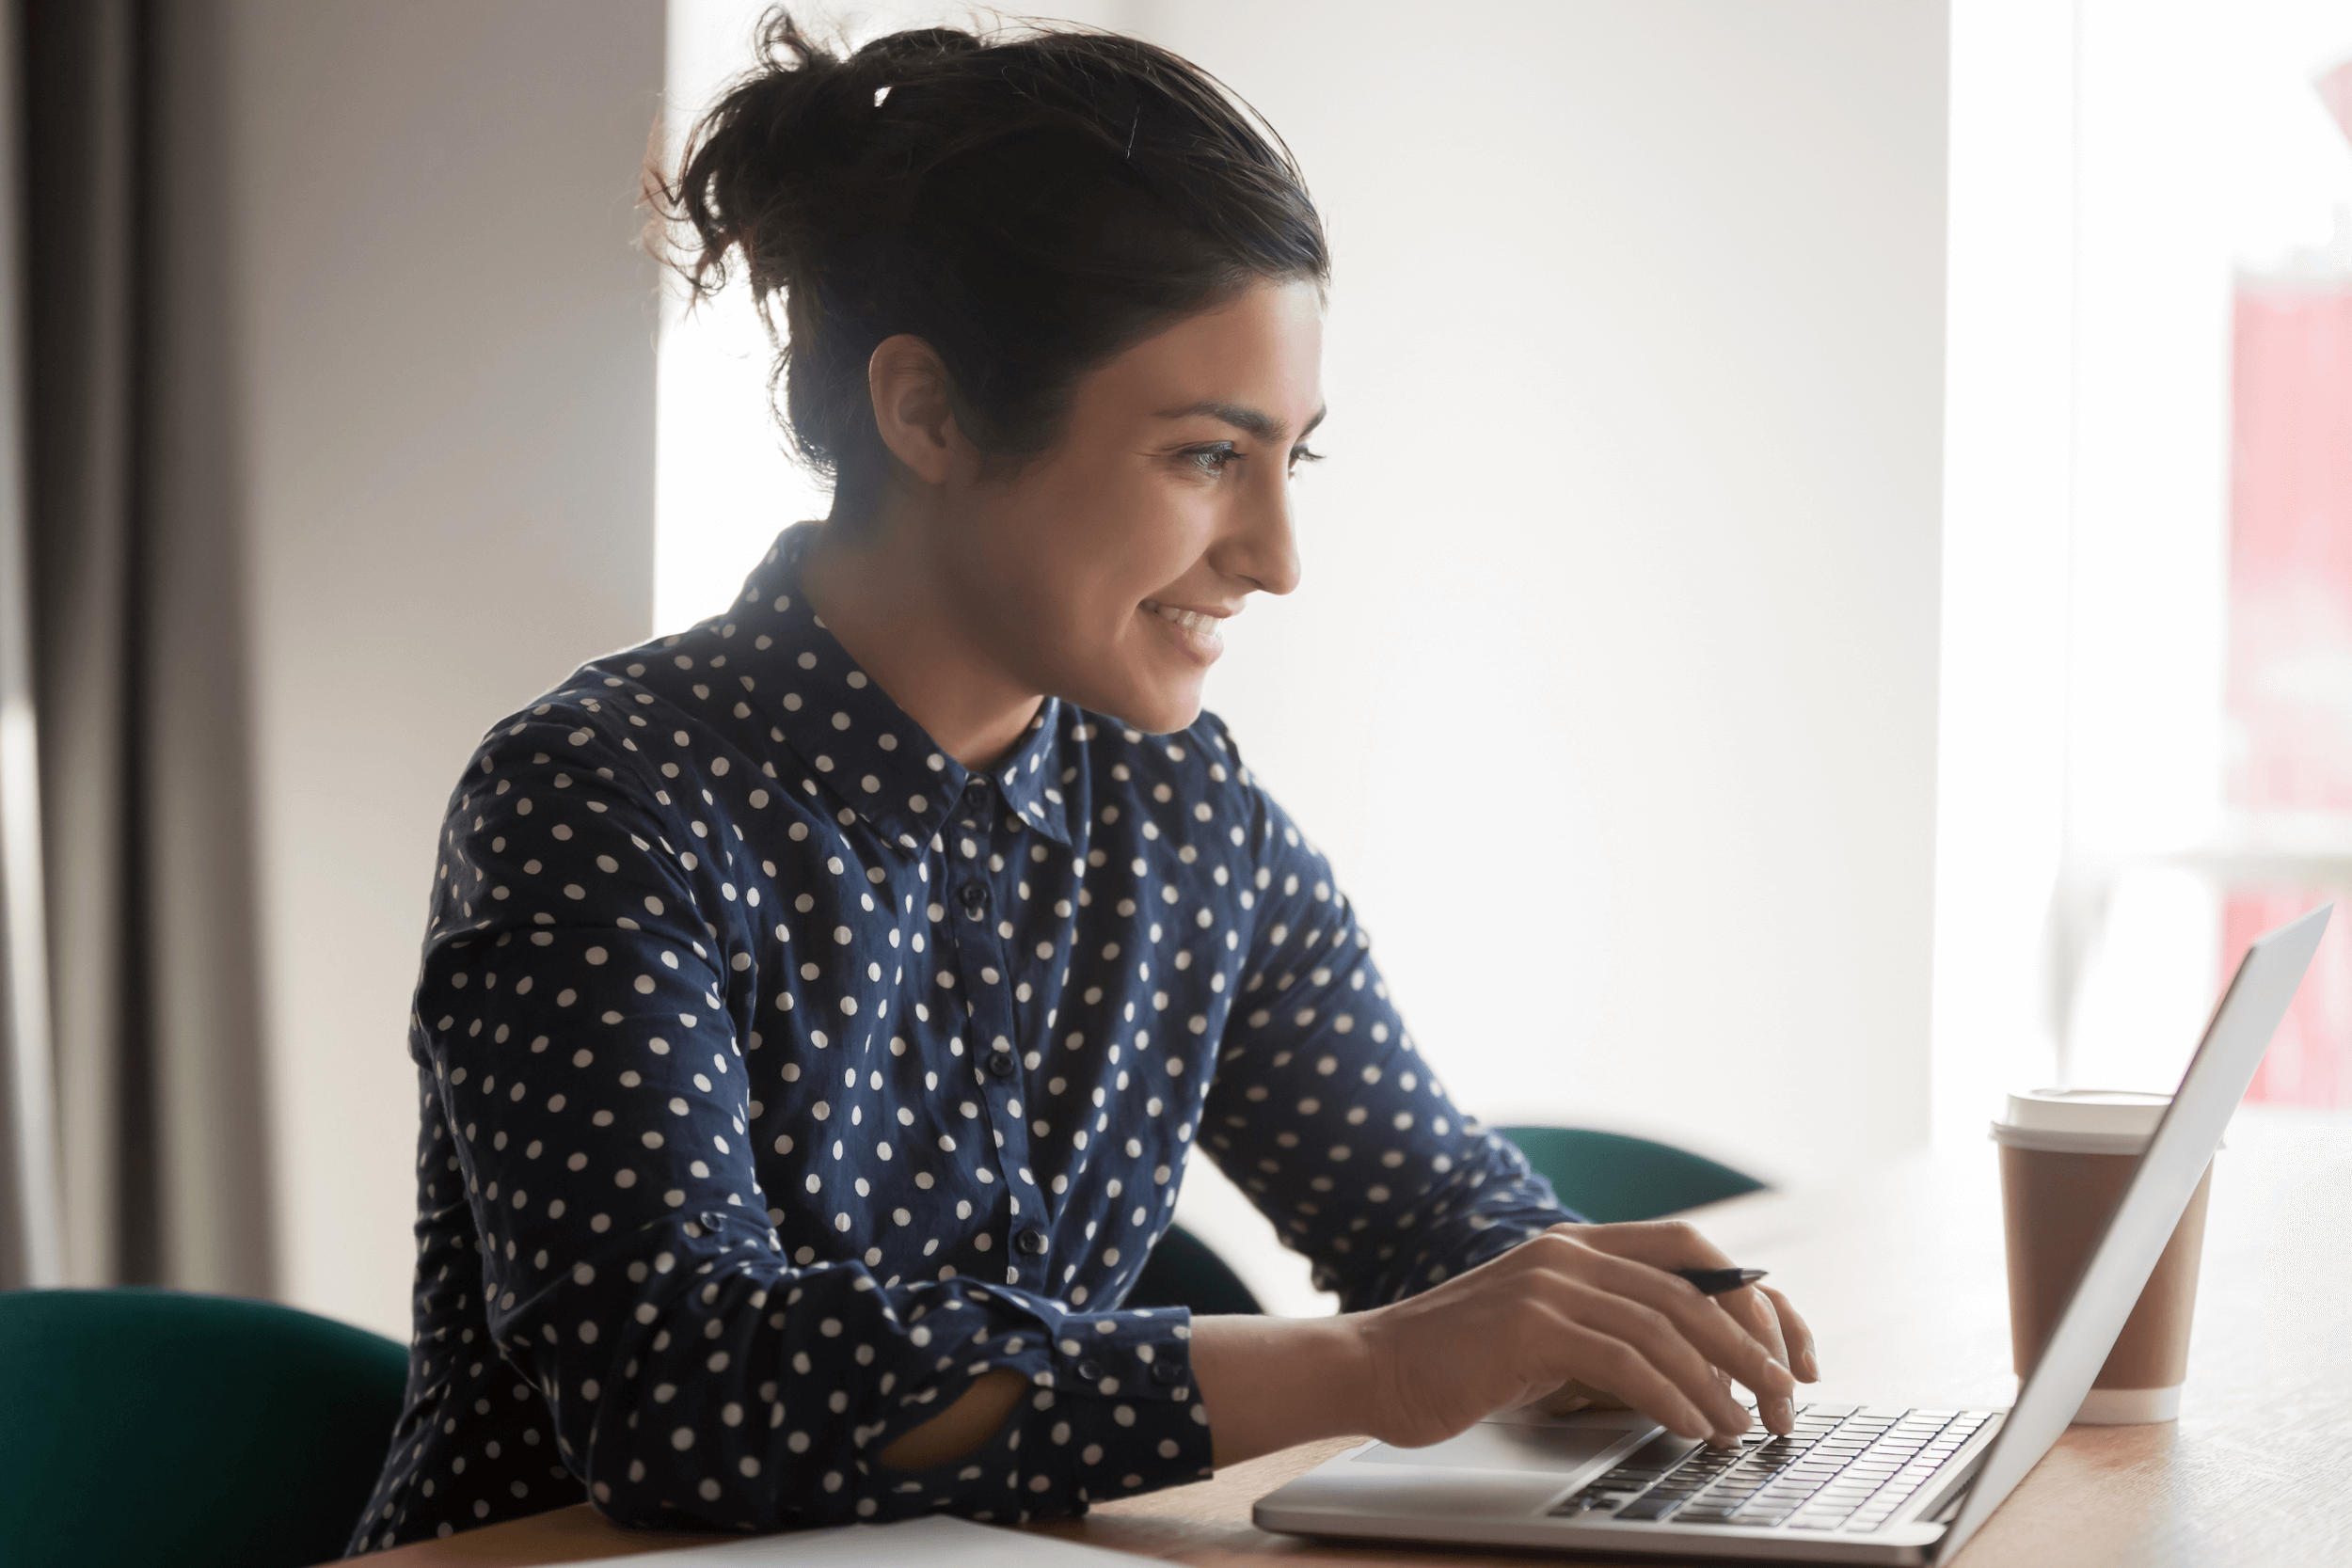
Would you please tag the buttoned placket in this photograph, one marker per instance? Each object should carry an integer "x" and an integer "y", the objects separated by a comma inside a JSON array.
[{"x": 990, "y": 1028}]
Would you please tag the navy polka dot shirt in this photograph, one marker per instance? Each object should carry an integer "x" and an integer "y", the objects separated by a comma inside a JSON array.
[{"x": 779, "y": 1076}]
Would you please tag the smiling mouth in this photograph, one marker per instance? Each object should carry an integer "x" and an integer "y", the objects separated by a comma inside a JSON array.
[{"x": 1191, "y": 620}]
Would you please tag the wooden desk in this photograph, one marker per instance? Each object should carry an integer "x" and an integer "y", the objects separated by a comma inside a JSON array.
[{"x": 1903, "y": 1277}]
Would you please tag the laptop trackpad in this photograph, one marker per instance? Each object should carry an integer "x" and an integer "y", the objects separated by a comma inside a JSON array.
[{"x": 1554, "y": 1445}]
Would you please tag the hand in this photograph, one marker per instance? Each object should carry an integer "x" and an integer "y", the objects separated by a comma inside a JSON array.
[{"x": 1592, "y": 1305}]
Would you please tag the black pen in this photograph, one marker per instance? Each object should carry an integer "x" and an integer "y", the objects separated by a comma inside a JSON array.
[{"x": 1714, "y": 1282}]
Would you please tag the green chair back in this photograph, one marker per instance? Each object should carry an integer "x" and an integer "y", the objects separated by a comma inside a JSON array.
[
  {"x": 1609, "y": 1177},
  {"x": 1183, "y": 1272},
  {"x": 142, "y": 1427}
]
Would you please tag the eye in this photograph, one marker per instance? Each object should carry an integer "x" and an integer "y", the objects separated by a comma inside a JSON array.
[
  {"x": 1211, "y": 460},
  {"x": 1304, "y": 455}
]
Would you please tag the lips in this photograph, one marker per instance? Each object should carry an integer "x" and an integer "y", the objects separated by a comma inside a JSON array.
[{"x": 1191, "y": 620}]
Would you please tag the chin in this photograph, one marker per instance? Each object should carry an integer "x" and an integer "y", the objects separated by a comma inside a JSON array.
[{"x": 1154, "y": 710}]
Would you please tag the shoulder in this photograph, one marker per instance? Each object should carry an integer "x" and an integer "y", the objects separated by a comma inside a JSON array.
[
  {"x": 574, "y": 738},
  {"x": 628, "y": 727}
]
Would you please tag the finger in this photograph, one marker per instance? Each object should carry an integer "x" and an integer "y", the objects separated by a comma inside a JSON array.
[
  {"x": 1797, "y": 1334},
  {"x": 1724, "y": 1340},
  {"x": 1670, "y": 1245},
  {"x": 1564, "y": 1401},
  {"x": 1662, "y": 1346},
  {"x": 1568, "y": 1250},
  {"x": 1577, "y": 1350},
  {"x": 1595, "y": 1399},
  {"x": 1777, "y": 1409}
]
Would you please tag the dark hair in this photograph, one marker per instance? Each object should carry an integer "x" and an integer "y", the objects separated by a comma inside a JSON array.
[{"x": 1027, "y": 203}]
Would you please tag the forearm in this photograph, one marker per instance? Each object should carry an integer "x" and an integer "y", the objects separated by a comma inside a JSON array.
[
  {"x": 961, "y": 1428},
  {"x": 1272, "y": 1382}
]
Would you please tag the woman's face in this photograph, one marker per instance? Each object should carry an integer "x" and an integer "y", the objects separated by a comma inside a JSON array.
[{"x": 1102, "y": 571}]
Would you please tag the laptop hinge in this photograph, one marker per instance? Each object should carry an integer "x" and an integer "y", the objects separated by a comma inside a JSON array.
[{"x": 1946, "y": 1505}]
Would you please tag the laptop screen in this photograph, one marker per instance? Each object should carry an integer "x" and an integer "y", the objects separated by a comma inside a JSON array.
[{"x": 2249, "y": 1013}]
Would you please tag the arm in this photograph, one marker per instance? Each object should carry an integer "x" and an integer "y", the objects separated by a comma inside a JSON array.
[
  {"x": 596, "y": 1066},
  {"x": 1327, "y": 1114}
]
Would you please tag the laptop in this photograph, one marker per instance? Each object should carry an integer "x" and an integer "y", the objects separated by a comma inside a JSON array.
[{"x": 1851, "y": 1485}]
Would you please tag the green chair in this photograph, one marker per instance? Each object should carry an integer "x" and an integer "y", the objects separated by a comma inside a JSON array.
[
  {"x": 141, "y": 1427},
  {"x": 1183, "y": 1272},
  {"x": 1609, "y": 1177}
]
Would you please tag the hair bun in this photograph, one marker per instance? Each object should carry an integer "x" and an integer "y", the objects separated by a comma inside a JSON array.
[{"x": 1025, "y": 202}]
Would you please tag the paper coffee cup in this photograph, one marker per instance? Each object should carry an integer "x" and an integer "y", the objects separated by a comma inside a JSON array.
[{"x": 2066, "y": 1155}]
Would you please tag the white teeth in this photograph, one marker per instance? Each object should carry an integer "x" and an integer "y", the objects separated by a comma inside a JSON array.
[{"x": 1191, "y": 620}]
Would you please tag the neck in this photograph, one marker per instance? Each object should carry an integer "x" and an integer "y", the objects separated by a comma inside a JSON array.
[{"x": 888, "y": 601}]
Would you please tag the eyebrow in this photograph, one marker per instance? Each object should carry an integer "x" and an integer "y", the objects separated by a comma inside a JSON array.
[{"x": 1250, "y": 422}]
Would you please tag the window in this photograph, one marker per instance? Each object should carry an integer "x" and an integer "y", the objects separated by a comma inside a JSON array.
[{"x": 2290, "y": 679}]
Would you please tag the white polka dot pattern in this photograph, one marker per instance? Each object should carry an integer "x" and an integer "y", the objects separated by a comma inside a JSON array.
[{"x": 780, "y": 1077}]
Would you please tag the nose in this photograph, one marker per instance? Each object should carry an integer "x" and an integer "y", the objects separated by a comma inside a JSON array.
[{"x": 1262, "y": 544}]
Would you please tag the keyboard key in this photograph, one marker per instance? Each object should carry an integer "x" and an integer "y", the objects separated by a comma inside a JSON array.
[{"x": 1644, "y": 1508}]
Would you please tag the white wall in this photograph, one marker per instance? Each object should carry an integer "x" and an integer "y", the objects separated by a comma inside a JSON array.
[
  {"x": 1611, "y": 689},
  {"x": 449, "y": 458},
  {"x": 2007, "y": 571}
]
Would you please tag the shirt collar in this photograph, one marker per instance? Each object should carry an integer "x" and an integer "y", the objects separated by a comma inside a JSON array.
[{"x": 853, "y": 741}]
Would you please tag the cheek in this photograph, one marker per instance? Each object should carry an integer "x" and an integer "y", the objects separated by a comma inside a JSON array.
[{"x": 1091, "y": 558}]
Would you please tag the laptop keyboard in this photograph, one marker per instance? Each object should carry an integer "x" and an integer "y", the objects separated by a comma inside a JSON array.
[{"x": 1842, "y": 1469}]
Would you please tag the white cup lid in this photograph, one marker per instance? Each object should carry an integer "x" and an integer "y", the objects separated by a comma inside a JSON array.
[
  {"x": 2086, "y": 1111},
  {"x": 2081, "y": 1121}
]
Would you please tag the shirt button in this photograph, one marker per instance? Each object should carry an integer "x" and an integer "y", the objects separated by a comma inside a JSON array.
[
  {"x": 1166, "y": 1373},
  {"x": 1030, "y": 1238},
  {"x": 975, "y": 898},
  {"x": 1000, "y": 1063},
  {"x": 1090, "y": 1370}
]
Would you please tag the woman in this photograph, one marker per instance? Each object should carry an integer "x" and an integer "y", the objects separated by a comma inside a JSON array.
[{"x": 819, "y": 1006}]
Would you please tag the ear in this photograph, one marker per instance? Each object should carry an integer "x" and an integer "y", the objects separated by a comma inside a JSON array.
[{"x": 913, "y": 410}]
